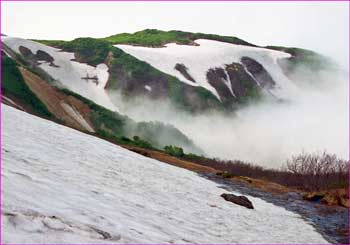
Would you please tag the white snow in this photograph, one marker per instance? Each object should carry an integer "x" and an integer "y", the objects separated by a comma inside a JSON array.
[
  {"x": 70, "y": 73},
  {"x": 148, "y": 88},
  {"x": 62, "y": 186},
  {"x": 210, "y": 54}
]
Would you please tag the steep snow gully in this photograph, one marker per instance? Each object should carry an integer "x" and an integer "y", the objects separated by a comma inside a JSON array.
[{"x": 62, "y": 186}]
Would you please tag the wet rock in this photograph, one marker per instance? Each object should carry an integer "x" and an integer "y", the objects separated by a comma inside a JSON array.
[
  {"x": 184, "y": 71},
  {"x": 239, "y": 200},
  {"x": 26, "y": 52},
  {"x": 259, "y": 72},
  {"x": 241, "y": 82},
  {"x": 313, "y": 196},
  {"x": 39, "y": 56},
  {"x": 218, "y": 79}
]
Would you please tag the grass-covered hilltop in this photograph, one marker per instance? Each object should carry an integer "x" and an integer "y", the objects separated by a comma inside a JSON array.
[{"x": 130, "y": 75}]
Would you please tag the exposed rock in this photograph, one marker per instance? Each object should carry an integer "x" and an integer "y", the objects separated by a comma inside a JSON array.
[
  {"x": 27, "y": 53},
  {"x": 184, "y": 71},
  {"x": 241, "y": 82},
  {"x": 132, "y": 85},
  {"x": 39, "y": 56},
  {"x": 336, "y": 197},
  {"x": 216, "y": 78},
  {"x": 239, "y": 200},
  {"x": 259, "y": 72},
  {"x": 42, "y": 55},
  {"x": 313, "y": 196},
  {"x": 78, "y": 116}
]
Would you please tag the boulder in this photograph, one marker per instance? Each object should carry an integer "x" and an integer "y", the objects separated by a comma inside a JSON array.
[{"x": 239, "y": 200}]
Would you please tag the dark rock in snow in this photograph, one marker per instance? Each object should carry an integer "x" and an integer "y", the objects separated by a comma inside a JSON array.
[
  {"x": 259, "y": 72},
  {"x": 184, "y": 71},
  {"x": 239, "y": 200},
  {"x": 34, "y": 58}
]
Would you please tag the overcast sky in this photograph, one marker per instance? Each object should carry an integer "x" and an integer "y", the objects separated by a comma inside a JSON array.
[{"x": 320, "y": 26}]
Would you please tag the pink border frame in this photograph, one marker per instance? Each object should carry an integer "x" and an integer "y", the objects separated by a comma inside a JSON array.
[{"x": 148, "y": 1}]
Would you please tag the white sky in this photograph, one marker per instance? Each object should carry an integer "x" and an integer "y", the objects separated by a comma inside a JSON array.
[{"x": 320, "y": 26}]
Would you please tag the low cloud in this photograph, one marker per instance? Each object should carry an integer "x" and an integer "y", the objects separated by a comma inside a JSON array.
[{"x": 316, "y": 118}]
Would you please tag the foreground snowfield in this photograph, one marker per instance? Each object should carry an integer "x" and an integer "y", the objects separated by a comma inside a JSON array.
[{"x": 62, "y": 186}]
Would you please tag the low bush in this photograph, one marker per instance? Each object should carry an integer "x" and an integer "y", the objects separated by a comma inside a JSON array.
[
  {"x": 306, "y": 171},
  {"x": 174, "y": 151}
]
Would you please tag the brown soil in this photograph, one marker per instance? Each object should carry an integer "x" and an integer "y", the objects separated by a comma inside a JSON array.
[
  {"x": 160, "y": 156},
  {"x": 336, "y": 197},
  {"x": 54, "y": 100},
  {"x": 257, "y": 183}
]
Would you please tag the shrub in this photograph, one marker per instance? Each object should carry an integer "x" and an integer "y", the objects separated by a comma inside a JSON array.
[
  {"x": 174, "y": 151},
  {"x": 318, "y": 171}
]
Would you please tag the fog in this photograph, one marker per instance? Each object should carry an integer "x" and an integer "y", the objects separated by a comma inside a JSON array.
[{"x": 314, "y": 119}]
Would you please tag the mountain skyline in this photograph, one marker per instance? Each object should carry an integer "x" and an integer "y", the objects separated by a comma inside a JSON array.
[{"x": 322, "y": 27}]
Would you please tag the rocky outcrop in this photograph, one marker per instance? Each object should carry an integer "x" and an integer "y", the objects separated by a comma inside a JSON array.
[
  {"x": 233, "y": 83},
  {"x": 35, "y": 58},
  {"x": 68, "y": 109},
  {"x": 219, "y": 80},
  {"x": 130, "y": 81},
  {"x": 184, "y": 71},
  {"x": 258, "y": 72},
  {"x": 241, "y": 82},
  {"x": 239, "y": 200}
]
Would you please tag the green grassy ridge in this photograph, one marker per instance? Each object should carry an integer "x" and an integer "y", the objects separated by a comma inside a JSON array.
[
  {"x": 86, "y": 49},
  {"x": 95, "y": 51},
  {"x": 121, "y": 128},
  {"x": 156, "y": 38},
  {"x": 125, "y": 67},
  {"x": 12, "y": 83},
  {"x": 311, "y": 59}
]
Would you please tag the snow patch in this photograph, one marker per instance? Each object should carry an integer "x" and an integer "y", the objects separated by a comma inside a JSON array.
[
  {"x": 63, "y": 186},
  {"x": 77, "y": 116},
  {"x": 70, "y": 73},
  {"x": 148, "y": 88},
  {"x": 211, "y": 54}
]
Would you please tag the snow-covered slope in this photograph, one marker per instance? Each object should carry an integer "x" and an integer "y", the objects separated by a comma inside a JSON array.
[
  {"x": 74, "y": 75},
  {"x": 211, "y": 54},
  {"x": 62, "y": 186}
]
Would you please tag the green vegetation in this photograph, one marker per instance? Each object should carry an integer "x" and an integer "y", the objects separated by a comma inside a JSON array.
[
  {"x": 131, "y": 69},
  {"x": 312, "y": 60},
  {"x": 52, "y": 43},
  {"x": 252, "y": 93},
  {"x": 174, "y": 151},
  {"x": 87, "y": 50},
  {"x": 156, "y": 38},
  {"x": 118, "y": 128},
  {"x": 12, "y": 84},
  {"x": 142, "y": 143}
]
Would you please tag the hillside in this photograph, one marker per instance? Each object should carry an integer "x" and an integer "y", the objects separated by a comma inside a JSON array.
[
  {"x": 86, "y": 190},
  {"x": 207, "y": 72},
  {"x": 25, "y": 88}
]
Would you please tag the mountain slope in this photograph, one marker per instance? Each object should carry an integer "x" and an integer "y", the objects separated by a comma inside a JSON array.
[
  {"x": 24, "y": 88},
  {"x": 196, "y": 72},
  {"x": 62, "y": 186},
  {"x": 215, "y": 57}
]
